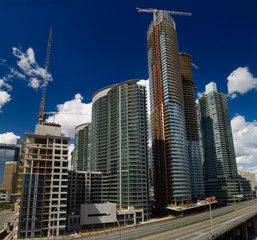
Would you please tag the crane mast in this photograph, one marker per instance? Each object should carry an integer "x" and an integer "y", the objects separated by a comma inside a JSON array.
[{"x": 41, "y": 116}]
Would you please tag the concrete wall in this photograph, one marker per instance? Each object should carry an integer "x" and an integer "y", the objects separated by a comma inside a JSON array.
[
  {"x": 97, "y": 213},
  {"x": 48, "y": 130}
]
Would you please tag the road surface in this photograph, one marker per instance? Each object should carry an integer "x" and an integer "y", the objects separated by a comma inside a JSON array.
[{"x": 195, "y": 227}]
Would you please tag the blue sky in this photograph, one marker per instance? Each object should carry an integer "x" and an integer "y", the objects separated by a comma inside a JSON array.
[{"x": 99, "y": 43}]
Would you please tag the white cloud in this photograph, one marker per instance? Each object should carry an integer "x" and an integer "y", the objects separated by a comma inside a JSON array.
[
  {"x": 30, "y": 68},
  {"x": 4, "y": 98},
  {"x": 5, "y": 85},
  {"x": 32, "y": 73},
  {"x": 70, "y": 149},
  {"x": 71, "y": 114},
  {"x": 145, "y": 83},
  {"x": 245, "y": 141},
  {"x": 8, "y": 138},
  {"x": 199, "y": 95},
  {"x": 240, "y": 81},
  {"x": 34, "y": 83}
]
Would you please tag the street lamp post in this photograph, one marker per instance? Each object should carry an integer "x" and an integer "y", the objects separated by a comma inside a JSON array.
[
  {"x": 211, "y": 220},
  {"x": 117, "y": 223}
]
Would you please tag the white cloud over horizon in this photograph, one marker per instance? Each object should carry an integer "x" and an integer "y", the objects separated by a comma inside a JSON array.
[
  {"x": 240, "y": 81},
  {"x": 8, "y": 138},
  {"x": 71, "y": 114},
  {"x": 245, "y": 141}
]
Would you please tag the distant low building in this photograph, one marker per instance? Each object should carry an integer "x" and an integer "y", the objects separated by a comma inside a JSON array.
[
  {"x": 249, "y": 176},
  {"x": 9, "y": 161}
]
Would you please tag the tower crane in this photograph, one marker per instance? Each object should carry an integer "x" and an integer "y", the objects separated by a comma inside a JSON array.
[
  {"x": 194, "y": 66},
  {"x": 41, "y": 116},
  {"x": 154, "y": 11}
]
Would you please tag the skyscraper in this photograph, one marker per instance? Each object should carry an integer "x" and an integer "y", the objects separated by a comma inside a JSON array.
[
  {"x": 219, "y": 161},
  {"x": 168, "y": 127},
  {"x": 194, "y": 153},
  {"x": 43, "y": 183},
  {"x": 119, "y": 143},
  {"x": 82, "y": 147}
]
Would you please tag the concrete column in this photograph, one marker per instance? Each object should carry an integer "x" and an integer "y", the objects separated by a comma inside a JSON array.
[
  {"x": 254, "y": 222},
  {"x": 234, "y": 233},
  {"x": 244, "y": 233}
]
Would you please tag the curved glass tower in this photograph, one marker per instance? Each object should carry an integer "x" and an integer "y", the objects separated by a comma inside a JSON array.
[
  {"x": 119, "y": 143},
  {"x": 194, "y": 152},
  {"x": 169, "y": 140}
]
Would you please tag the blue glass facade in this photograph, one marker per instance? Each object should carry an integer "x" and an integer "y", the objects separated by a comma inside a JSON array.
[
  {"x": 168, "y": 127},
  {"x": 179, "y": 156}
]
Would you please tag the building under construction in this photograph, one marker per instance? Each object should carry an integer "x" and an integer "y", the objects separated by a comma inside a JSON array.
[
  {"x": 43, "y": 182},
  {"x": 169, "y": 138},
  {"x": 194, "y": 152}
]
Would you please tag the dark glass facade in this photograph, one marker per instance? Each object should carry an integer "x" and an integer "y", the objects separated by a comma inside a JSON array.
[
  {"x": 82, "y": 147},
  {"x": 119, "y": 143}
]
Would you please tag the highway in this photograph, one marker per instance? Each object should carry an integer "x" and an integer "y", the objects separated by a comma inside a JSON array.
[{"x": 196, "y": 227}]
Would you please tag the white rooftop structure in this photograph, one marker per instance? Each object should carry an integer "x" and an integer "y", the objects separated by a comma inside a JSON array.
[{"x": 211, "y": 87}]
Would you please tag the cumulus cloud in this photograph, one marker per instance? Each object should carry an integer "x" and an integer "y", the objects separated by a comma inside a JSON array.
[
  {"x": 8, "y": 138},
  {"x": 240, "y": 81},
  {"x": 245, "y": 135},
  {"x": 32, "y": 73},
  {"x": 29, "y": 71},
  {"x": 5, "y": 88},
  {"x": 34, "y": 83},
  {"x": 71, "y": 114},
  {"x": 4, "y": 98}
]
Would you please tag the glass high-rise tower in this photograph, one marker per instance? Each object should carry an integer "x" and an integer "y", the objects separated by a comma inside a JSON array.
[
  {"x": 194, "y": 153},
  {"x": 168, "y": 126},
  {"x": 82, "y": 147},
  {"x": 219, "y": 161},
  {"x": 119, "y": 143}
]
